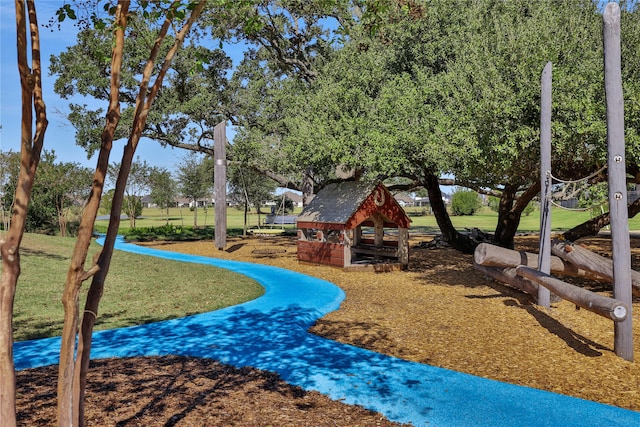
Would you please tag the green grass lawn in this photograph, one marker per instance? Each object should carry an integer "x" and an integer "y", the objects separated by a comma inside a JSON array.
[
  {"x": 485, "y": 220},
  {"x": 139, "y": 289},
  {"x": 183, "y": 217}
]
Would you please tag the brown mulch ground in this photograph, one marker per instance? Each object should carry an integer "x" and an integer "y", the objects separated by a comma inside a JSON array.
[{"x": 441, "y": 311}]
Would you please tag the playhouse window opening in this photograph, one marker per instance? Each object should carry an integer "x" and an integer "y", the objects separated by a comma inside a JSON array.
[{"x": 389, "y": 236}]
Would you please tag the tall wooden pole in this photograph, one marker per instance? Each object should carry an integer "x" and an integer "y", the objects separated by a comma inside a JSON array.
[
  {"x": 220, "y": 184},
  {"x": 544, "y": 260},
  {"x": 621, "y": 253}
]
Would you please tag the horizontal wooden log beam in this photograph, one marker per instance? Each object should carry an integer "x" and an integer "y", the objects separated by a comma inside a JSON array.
[
  {"x": 509, "y": 277},
  {"x": 585, "y": 259},
  {"x": 496, "y": 256},
  {"x": 604, "y": 306}
]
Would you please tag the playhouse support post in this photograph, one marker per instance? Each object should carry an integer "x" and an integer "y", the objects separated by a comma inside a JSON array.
[
  {"x": 403, "y": 246},
  {"x": 220, "y": 184},
  {"x": 544, "y": 261},
  {"x": 346, "y": 241},
  {"x": 378, "y": 227},
  {"x": 623, "y": 338},
  {"x": 357, "y": 236}
]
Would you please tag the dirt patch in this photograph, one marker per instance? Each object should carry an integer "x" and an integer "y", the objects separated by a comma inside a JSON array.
[{"x": 440, "y": 311}]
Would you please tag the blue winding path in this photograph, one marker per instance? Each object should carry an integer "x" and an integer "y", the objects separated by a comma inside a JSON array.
[{"x": 269, "y": 333}]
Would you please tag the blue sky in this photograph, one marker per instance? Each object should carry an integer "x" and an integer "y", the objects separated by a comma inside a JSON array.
[{"x": 60, "y": 135}]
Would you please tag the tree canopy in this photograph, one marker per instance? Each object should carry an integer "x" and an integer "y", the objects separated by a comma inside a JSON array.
[{"x": 384, "y": 89}]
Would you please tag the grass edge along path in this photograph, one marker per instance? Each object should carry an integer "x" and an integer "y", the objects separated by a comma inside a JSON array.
[{"x": 139, "y": 289}]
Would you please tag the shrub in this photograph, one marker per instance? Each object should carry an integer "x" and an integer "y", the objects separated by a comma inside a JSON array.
[
  {"x": 465, "y": 202},
  {"x": 529, "y": 209},
  {"x": 494, "y": 203}
]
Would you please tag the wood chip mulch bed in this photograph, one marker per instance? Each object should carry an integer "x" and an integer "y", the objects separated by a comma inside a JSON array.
[{"x": 440, "y": 311}]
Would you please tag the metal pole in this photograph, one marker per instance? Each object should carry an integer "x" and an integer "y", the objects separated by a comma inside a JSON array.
[
  {"x": 544, "y": 260},
  {"x": 623, "y": 340}
]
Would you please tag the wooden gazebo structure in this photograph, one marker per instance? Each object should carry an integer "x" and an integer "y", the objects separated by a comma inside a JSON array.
[{"x": 353, "y": 225}]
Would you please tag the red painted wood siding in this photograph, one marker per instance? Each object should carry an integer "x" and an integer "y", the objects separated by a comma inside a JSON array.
[{"x": 321, "y": 252}]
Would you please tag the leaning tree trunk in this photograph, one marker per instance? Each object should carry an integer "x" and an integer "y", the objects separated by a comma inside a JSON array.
[
  {"x": 594, "y": 225},
  {"x": 144, "y": 103},
  {"x": 510, "y": 212},
  {"x": 68, "y": 397},
  {"x": 450, "y": 235},
  {"x": 30, "y": 150}
]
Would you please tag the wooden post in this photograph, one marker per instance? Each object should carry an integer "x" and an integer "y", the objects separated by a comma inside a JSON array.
[
  {"x": 623, "y": 339},
  {"x": 403, "y": 246},
  {"x": 378, "y": 228},
  {"x": 346, "y": 242},
  {"x": 544, "y": 261},
  {"x": 220, "y": 184},
  {"x": 357, "y": 235}
]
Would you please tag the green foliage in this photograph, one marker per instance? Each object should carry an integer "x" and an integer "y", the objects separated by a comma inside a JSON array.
[
  {"x": 248, "y": 188},
  {"x": 288, "y": 205},
  {"x": 494, "y": 203},
  {"x": 132, "y": 206},
  {"x": 173, "y": 233},
  {"x": 138, "y": 185},
  {"x": 106, "y": 201},
  {"x": 465, "y": 202},
  {"x": 528, "y": 210},
  {"x": 196, "y": 77},
  {"x": 58, "y": 188},
  {"x": 163, "y": 188},
  {"x": 195, "y": 176}
]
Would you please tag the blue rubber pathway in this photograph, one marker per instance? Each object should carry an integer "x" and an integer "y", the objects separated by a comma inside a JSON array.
[{"x": 270, "y": 333}]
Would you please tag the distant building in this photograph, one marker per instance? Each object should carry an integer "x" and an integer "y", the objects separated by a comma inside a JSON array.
[
  {"x": 405, "y": 200},
  {"x": 295, "y": 198}
]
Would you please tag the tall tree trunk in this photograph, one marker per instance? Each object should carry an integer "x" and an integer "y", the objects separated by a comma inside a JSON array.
[
  {"x": 144, "y": 103},
  {"x": 30, "y": 150},
  {"x": 68, "y": 400},
  {"x": 594, "y": 225},
  {"x": 450, "y": 235},
  {"x": 510, "y": 212}
]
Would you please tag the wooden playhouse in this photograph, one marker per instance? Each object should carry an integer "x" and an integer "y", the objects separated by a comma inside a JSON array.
[{"x": 354, "y": 224}]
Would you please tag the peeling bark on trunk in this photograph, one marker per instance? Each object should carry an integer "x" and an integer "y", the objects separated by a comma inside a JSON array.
[
  {"x": 70, "y": 406},
  {"x": 30, "y": 150},
  {"x": 146, "y": 96}
]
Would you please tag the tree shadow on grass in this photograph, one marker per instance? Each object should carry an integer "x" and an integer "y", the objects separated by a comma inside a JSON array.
[{"x": 42, "y": 254}]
